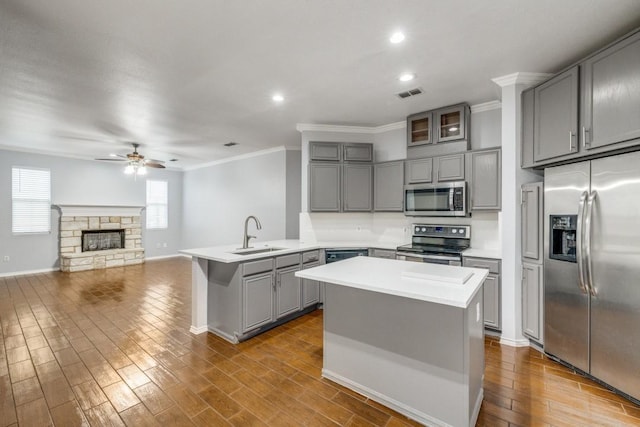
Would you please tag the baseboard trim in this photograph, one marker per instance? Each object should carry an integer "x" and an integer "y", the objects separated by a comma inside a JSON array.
[
  {"x": 387, "y": 401},
  {"x": 26, "y": 272},
  {"x": 514, "y": 343},
  {"x": 198, "y": 330},
  {"x": 159, "y": 257}
]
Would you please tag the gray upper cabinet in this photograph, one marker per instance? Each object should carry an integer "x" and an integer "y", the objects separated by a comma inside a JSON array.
[
  {"x": 357, "y": 152},
  {"x": 532, "y": 301},
  {"x": 450, "y": 168},
  {"x": 388, "y": 186},
  {"x": 485, "y": 181},
  {"x": 611, "y": 95},
  {"x": 357, "y": 181},
  {"x": 532, "y": 221},
  {"x": 526, "y": 154},
  {"x": 450, "y": 123},
  {"x": 324, "y": 187},
  {"x": 419, "y": 171},
  {"x": 555, "y": 119},
  {"x": 419, "y": 129},
  {"x": 325, "y": 151}
]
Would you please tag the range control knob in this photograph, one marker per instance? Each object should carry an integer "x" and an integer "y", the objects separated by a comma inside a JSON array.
[
  {"x": 424, "y": 229},
  {"x": 454, "y": 230},
  {"x": 417, "y": 230}
]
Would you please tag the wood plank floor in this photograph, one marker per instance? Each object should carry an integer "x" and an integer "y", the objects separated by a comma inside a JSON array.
[{"x": 112, "y": 347}]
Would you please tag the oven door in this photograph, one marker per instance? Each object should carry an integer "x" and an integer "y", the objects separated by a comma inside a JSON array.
[
  {"x": 443, "y": 199},
  {"x": 429, "y": 258}
]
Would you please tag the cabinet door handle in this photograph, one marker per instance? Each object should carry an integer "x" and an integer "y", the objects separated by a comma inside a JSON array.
[
  {"x": 585, "y": 133},
  {"x": 571, "y": 147}
]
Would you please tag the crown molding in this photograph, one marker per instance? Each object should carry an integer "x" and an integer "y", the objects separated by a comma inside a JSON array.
[
  {"x": 486, "y": 106},
  {"x": 524, "y": 78},
  {"x": 368, "y": 130},
  {"x": 238, "y": 157}
]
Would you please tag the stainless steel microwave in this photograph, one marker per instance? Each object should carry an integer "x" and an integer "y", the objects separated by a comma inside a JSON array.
[{"x": 442, "y": 199}]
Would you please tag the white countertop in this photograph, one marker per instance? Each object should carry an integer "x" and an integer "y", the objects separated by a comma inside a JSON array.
[
  {"x": 483, "y": 253},
  {"x": 224, "y": 253},
  {"x": 391, "y": 277}
]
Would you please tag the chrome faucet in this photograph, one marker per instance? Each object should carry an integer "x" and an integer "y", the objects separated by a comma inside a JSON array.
[{"x": 245, "y": 243}]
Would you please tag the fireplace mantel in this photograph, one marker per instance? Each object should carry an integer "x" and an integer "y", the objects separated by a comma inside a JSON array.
[{"x": 99, "y": 210}]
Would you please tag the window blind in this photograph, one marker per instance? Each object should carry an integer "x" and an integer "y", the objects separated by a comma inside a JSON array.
[
  {"x": 31, "y": 200},
  {"x": 157, "y": 204}
]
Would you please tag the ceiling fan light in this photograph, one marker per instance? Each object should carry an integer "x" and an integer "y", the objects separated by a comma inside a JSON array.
[
  {"x": 142, "y": 170},
  {"x": 129, "y": 170}
]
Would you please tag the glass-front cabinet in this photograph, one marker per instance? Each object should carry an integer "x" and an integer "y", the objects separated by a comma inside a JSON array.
[
  {"x": 450, "y": 124},
  {"x": 419, "y": 129}
]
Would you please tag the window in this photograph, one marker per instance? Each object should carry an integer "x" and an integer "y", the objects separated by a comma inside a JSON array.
[
  {"x": 157, "y": 204},
  {"x": 31, "y": 200}
]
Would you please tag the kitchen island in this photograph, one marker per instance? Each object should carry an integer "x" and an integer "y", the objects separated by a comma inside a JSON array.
[{"x": 407, "y": 335}]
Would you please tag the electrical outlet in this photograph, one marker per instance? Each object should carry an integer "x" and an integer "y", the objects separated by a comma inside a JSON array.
[
  {"x": 6, "y": 258},
  {"x": 477, "y": 312},
  {"x": 164, "y": 245}
]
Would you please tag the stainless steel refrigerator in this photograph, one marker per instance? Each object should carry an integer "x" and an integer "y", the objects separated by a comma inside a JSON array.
[{"x": 592, "y": 268}]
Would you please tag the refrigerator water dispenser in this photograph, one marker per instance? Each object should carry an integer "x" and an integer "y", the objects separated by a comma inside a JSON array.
[{"x": 563, "y": 233}]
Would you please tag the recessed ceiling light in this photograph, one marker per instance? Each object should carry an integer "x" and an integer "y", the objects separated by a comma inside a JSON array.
[
  {"x": 396, "y": 37},
  {"x": 405, "y": 77},
  {"x": 277, "y": 97}
]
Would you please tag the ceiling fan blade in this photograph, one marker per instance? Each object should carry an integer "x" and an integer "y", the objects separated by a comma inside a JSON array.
[
  {"x": 112, "y": 159},
  {"x": 155, "y": 161},
  {"x": 154, "y": 165}
]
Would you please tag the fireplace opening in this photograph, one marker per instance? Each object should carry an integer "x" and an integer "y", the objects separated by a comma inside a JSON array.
[{"x": 102, "y": 240}]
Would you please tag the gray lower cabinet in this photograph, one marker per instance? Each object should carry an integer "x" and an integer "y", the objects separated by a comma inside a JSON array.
[
  {"x": 555, "y": 118},
  {"x": 450, "y": 168},
  {"x": 310, "y": 288},
  {"x": 288, "y": 291},
  {"x": 611, "y": 95},
  {"x": 531, "y": 206},
  {"x": 357, "y": 180},
  {"x": 324, "y": 187},
  {"x": 257, "y": 301},
  {"x": 485, "y": 180},
  {"x": 532, "y": 300},
  {"x": 382, "y": 253},
  {"x": 419, "y": 171},
  {"x": 388, "y": 186},
  {"x": 491, "y": 290}
]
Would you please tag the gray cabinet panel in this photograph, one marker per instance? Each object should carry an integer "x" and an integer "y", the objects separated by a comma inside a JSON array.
[
  {"x": 382, "y": 253},
  {"x": 356, "y": 187},
  {"x": 257, "y": 301},
  {"x": 310, "y": 289},
  {"x": 526, "y": 155},
  {"x": 450, "y": 168},
  {"x": 419, "y": 170},
  {"x": 388, "y": 187},
  {"x": 532, "y": 216},
  {"x": 324, "y": 187},
  {"x": 491, "y": 300},
  {"x": 486, "y": 180},
  {"x": 611, "y": 94},
  {"x": 358, "y": 152},
  {"x": 288, "y": 292},
  {"x": 556, "y": 116},
  {"x": 532, "y": 300},
  {"x": 325, "y": 151},
  {"x": 491, "y": 290}
]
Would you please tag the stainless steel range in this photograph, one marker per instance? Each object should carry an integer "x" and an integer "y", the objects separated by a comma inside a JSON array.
[{"x": 436, "y": 244}]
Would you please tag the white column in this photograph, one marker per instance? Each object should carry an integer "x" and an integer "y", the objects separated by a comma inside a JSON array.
[
  {"x": 512, "y": 178},
  {"x": 199, "y": 287}
]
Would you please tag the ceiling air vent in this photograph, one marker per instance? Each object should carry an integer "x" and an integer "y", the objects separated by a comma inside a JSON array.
[
  {"x": 230, "y": 144},
  {"x": 412, "y": 92}
]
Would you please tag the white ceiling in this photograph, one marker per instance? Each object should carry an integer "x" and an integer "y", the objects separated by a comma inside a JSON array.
[{"x": 182, "y": 77}]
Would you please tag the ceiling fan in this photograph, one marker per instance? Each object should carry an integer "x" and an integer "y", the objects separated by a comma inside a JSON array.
[{"x": 136, "y": 163}]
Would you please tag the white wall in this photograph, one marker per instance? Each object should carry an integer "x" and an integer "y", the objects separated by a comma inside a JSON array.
[
  {"x": 80, "y": 182},
  {"x": 218, "y": 198}
]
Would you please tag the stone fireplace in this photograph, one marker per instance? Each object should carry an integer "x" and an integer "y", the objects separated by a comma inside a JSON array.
[{"x": 95, "y": 237}]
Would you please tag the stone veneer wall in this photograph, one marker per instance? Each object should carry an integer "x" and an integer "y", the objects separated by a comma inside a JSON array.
[{"x": 73, "y": 259}]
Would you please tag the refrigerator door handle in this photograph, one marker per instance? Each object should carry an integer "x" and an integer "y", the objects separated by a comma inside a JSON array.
[
  {"x": 582, "y": 283},
  {"x": 587, "y": 243}
]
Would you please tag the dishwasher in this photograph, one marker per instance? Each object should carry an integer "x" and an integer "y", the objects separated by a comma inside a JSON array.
[{"x": 335, "y": 255}]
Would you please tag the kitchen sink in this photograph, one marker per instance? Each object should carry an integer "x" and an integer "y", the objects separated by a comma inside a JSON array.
[{"x": 256, "y": 251}]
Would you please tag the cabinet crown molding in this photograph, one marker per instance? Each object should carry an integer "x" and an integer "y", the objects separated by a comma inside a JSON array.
[{"x": 524, "y": 78}]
